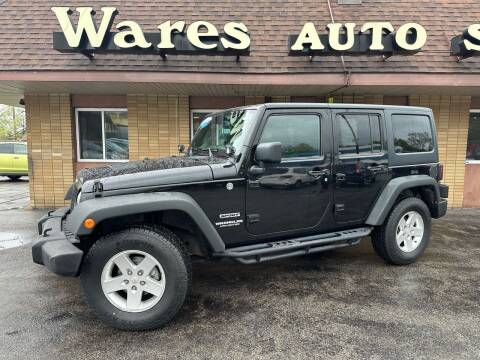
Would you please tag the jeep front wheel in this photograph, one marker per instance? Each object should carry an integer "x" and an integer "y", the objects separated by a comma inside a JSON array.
[
  {"x": 136, "y": 279},
  {"x": 405, "y": 234}
]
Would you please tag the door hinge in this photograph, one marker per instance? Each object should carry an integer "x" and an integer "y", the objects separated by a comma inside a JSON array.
[
  {"x": 253, "y": 218},
  {"x": 339, "y": 207}
]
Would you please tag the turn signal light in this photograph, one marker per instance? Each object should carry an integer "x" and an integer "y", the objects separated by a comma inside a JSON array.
[
  {"x": 440, "y": 172},
  {"x": 89, "y": 223}
]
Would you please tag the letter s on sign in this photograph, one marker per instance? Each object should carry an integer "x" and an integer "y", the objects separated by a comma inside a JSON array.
[
  {"x": 473, "y": 32},
  {"x": 238, "y": 32}
]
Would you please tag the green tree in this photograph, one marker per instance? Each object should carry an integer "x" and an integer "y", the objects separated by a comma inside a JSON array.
[{"x": 12, "y": 123}]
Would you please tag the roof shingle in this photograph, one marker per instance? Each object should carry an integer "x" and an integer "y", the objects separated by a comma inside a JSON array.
[{"x": 27, "y": 26}]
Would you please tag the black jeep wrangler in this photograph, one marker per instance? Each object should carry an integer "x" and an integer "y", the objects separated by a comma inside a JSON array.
[{"x": 257, "y": 183}]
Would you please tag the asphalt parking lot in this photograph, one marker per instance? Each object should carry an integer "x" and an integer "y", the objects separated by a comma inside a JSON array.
[
  {"x": 13, "y": 194},
  {"x": 341, "y": 304},
  {"x": 14, "y": 199}
]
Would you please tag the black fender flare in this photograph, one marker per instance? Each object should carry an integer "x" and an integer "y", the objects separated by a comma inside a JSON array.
[
  {"x": 392, "y": 190},
  {"x": 103, "y": 208}
]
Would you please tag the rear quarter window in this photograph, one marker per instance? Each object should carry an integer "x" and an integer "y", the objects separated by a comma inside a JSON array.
[{"x": 412, "y": 133}]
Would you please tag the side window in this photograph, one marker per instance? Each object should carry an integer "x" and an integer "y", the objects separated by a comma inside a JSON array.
[
  {"x": 359, "y": 133},
  {"x": 298, "y": 133},
  {"x": 6, "y": 148},
  {"x": 412, "y": 133},
  {"x": 20, "y": 149},
  {"x": 473, "y": 142},
  {"x": 102, "y": 134}
]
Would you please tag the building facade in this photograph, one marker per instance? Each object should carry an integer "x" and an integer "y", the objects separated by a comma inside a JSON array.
[{"x": 128, "y": 98}]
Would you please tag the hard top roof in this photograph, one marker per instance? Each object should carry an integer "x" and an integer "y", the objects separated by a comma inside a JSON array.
[
  {"x": 341, "y": 106},
  {"x": 281, "y": 105}
]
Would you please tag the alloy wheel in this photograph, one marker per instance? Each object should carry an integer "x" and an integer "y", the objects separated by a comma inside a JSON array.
[
  {"x": 410, "y": 230},
  {"x": 133, "y": 281}
]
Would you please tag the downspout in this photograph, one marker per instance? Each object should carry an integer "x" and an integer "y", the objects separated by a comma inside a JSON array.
[{"x": 346, "y": 71}]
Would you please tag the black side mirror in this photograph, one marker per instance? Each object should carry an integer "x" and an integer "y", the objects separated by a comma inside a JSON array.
[
  {"x": 269, "y": 152},
  {"x": 181, "y": 148}
]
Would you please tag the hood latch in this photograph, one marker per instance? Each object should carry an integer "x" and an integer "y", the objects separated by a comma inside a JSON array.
[{"x": 97, "y": 188}]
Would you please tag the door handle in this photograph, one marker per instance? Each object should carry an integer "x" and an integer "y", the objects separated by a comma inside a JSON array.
[
  {"x": 256, "y": 170},
  {"x": 340, "y": 177},
  {"x": 317, "y": 173},
  {"x": 377, "y": 168}
]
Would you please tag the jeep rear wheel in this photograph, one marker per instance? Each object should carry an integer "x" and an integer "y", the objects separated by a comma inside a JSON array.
[
  {"x": 136, "y": 279},
  {"x": 405, "y": 234}
]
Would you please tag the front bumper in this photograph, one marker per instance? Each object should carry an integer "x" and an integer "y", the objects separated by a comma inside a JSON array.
[{"x": 53, "y": 248}]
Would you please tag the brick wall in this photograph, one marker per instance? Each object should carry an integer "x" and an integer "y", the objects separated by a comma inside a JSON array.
[
  {"x": 50, "y": 148},
  {"x": 280, "y": 99},
  {"x": 451, "y": 116},
  {"x": 254, "y": 100},
  {"x": 157, "y": 124},
  {"x": 358, "y": 99}
]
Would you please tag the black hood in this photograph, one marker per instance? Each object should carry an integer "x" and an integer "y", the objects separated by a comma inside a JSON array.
[{"x": 139, "y": 166}]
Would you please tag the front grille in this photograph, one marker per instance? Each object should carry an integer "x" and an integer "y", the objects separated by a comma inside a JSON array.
[{"x": 68, "y": 234}]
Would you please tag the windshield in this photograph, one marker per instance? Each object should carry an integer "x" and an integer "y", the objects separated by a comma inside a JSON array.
[{"x": 219, "y": 131}]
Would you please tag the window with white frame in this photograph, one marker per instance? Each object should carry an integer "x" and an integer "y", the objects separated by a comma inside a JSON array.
[
  {"x": 102, "y": 134},
  {"x": 196, "y": 117},
  {"x": 473, "y": 142}
]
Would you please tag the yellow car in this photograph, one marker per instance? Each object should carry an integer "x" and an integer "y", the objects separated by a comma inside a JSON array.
[{"x": 13, "y": 159}]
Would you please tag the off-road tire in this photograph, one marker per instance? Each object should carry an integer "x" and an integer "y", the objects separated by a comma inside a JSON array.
[
  {"x": 384, "y": 240},
  {"x": 166, "y": 248},
  {"x": 14, "y": 177}
]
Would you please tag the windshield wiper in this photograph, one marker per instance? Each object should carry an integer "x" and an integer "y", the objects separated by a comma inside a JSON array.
[{"x": 211, "y": 151}]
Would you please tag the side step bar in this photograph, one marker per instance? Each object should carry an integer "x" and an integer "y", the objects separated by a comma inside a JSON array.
[{"x": 297, "y": 246}]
